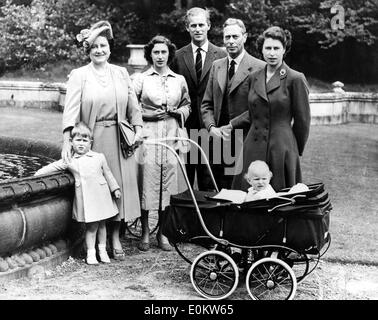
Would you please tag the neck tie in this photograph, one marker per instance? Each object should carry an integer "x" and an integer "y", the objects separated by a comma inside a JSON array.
[
  {"x": 231, "y": 71},
  {"x": 198, "y": 64}
]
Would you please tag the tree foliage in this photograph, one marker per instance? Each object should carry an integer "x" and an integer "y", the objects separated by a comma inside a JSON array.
[
  {"x": 311, "y": 20},
  {"x": 322, "y": 48},
  {"x": 45, "y": 30},
  {"x": 28, "y": 37},
  {"x": 35, "y": 32}
]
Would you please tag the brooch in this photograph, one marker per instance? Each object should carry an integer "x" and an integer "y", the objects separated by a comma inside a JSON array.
[{"x": 282, "y": 72}]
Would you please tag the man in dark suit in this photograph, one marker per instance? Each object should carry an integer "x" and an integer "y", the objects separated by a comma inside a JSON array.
[
  {"x": 194, "y": 61},
  {"x": 226, "y": 97}
]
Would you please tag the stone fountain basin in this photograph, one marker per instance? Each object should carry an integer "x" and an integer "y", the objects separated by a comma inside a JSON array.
[{"x": 35, "y": 213}]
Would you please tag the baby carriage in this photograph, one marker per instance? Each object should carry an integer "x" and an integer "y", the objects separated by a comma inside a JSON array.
[{"x": 281, "y": 239}]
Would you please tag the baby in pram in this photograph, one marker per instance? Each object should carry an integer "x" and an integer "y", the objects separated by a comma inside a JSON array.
[{"x": 258, "y": 176}]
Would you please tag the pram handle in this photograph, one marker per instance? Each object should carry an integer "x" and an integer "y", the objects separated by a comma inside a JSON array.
[
  {"x": 159, "y": 142},
  {"x": 290, "y": 201}
]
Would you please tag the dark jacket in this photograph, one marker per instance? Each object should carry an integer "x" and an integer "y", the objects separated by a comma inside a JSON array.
[
  {"x": 183, "y": 64},
  {"x": 237, "y": 98}
]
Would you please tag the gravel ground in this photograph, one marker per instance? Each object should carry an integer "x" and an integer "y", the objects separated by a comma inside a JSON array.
[{"x": 158, "y": 275}]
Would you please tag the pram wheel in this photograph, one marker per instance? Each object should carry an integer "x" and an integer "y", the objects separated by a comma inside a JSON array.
[
  {"x": 298, "y": 262},
  {"x": 214, "y": 275},
  {"x": 271, "y": 279},
  {"x": 134, "y": 227}
]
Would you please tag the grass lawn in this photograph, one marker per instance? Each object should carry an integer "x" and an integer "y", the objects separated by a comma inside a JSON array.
[
  {"x": 34, "y": 124},
  {"x": 343, "y": 157}
]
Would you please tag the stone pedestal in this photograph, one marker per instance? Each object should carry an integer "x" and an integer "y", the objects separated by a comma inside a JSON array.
[{"x": 137, "y": 60}]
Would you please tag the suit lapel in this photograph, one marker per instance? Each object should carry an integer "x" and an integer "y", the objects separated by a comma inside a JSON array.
[
  {"x": 210, "y": 56},
  {"x": 275, "y": 80},
  {"x": 241, "y": 73},
  {"x": 273, "y": 83},
  {"x": 188, "y": 58},
  {"x": 259, "y": 84},
  {"x": 222, "y": 74}
]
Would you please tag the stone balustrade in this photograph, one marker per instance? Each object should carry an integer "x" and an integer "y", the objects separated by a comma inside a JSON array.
[
  {"x": 32, "y": 94},
  {"x": 337, "y": 108}
]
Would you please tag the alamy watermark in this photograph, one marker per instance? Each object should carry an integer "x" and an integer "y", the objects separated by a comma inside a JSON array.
[
  {"x": 338, "y": 20},
  {"x": 217, "y": 151}
]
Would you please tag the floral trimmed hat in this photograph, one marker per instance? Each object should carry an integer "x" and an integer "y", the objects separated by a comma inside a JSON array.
[{"x": 87, "y": 36}]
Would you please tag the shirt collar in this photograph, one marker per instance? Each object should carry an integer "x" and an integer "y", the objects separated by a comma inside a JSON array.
[
  {"x": 90, "y": 153},
  {"x": 238, "y": 59},
  {"x": 151, "y": 71},
  {"x": 204, "y": 47}
]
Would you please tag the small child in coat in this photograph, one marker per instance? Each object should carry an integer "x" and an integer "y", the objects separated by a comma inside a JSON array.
[
  {"x": 258, "y": 176},
  {"x": 94, "y": 183}
]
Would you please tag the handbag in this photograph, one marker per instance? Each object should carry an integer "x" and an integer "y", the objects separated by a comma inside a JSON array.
[
  {"x": 127, "y": 135},
  {"x": 183, "y": 146}
]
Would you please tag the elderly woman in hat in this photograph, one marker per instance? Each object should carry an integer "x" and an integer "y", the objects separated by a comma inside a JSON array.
[{"x": 101, "y": 95}]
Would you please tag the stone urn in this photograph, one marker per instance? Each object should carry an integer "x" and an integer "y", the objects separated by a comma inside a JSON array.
[{"x": 136, "y": 59}]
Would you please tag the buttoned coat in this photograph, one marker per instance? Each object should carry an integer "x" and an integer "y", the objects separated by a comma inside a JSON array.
[
  {"x": 238, "y": 95},
  {"x": 278, "y": 119},
  {"x": 183, "y": 64},
  {"x": 94, "y": 183}
]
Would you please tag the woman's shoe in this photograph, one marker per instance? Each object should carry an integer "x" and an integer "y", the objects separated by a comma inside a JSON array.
[
  {"x": 143, "y": 246},
  {"x": 119, "y": 254}
]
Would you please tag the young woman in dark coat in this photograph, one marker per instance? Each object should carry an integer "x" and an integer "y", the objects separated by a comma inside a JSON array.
[{"x": 278, "y": 117}]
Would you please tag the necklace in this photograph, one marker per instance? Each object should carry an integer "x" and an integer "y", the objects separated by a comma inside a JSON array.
[{"x": 103, "y": 76}]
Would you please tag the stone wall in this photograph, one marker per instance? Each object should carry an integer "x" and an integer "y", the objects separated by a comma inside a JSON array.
[
  {"x": 337, "y": 108},
  {"x": 326, "y": 108},
  {"x": 32, "y": 94}
]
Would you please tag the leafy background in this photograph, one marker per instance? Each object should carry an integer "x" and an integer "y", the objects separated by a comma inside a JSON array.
[{"x": 38, "y": 32}]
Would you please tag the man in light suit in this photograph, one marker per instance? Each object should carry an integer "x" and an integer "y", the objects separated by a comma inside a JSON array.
[
  {"x": 226, "y": 95},
  {"x": 194, "y": 61}
]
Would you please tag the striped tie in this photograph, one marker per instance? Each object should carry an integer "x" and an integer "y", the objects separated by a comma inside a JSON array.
[{"x": 198, "y": 64}]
